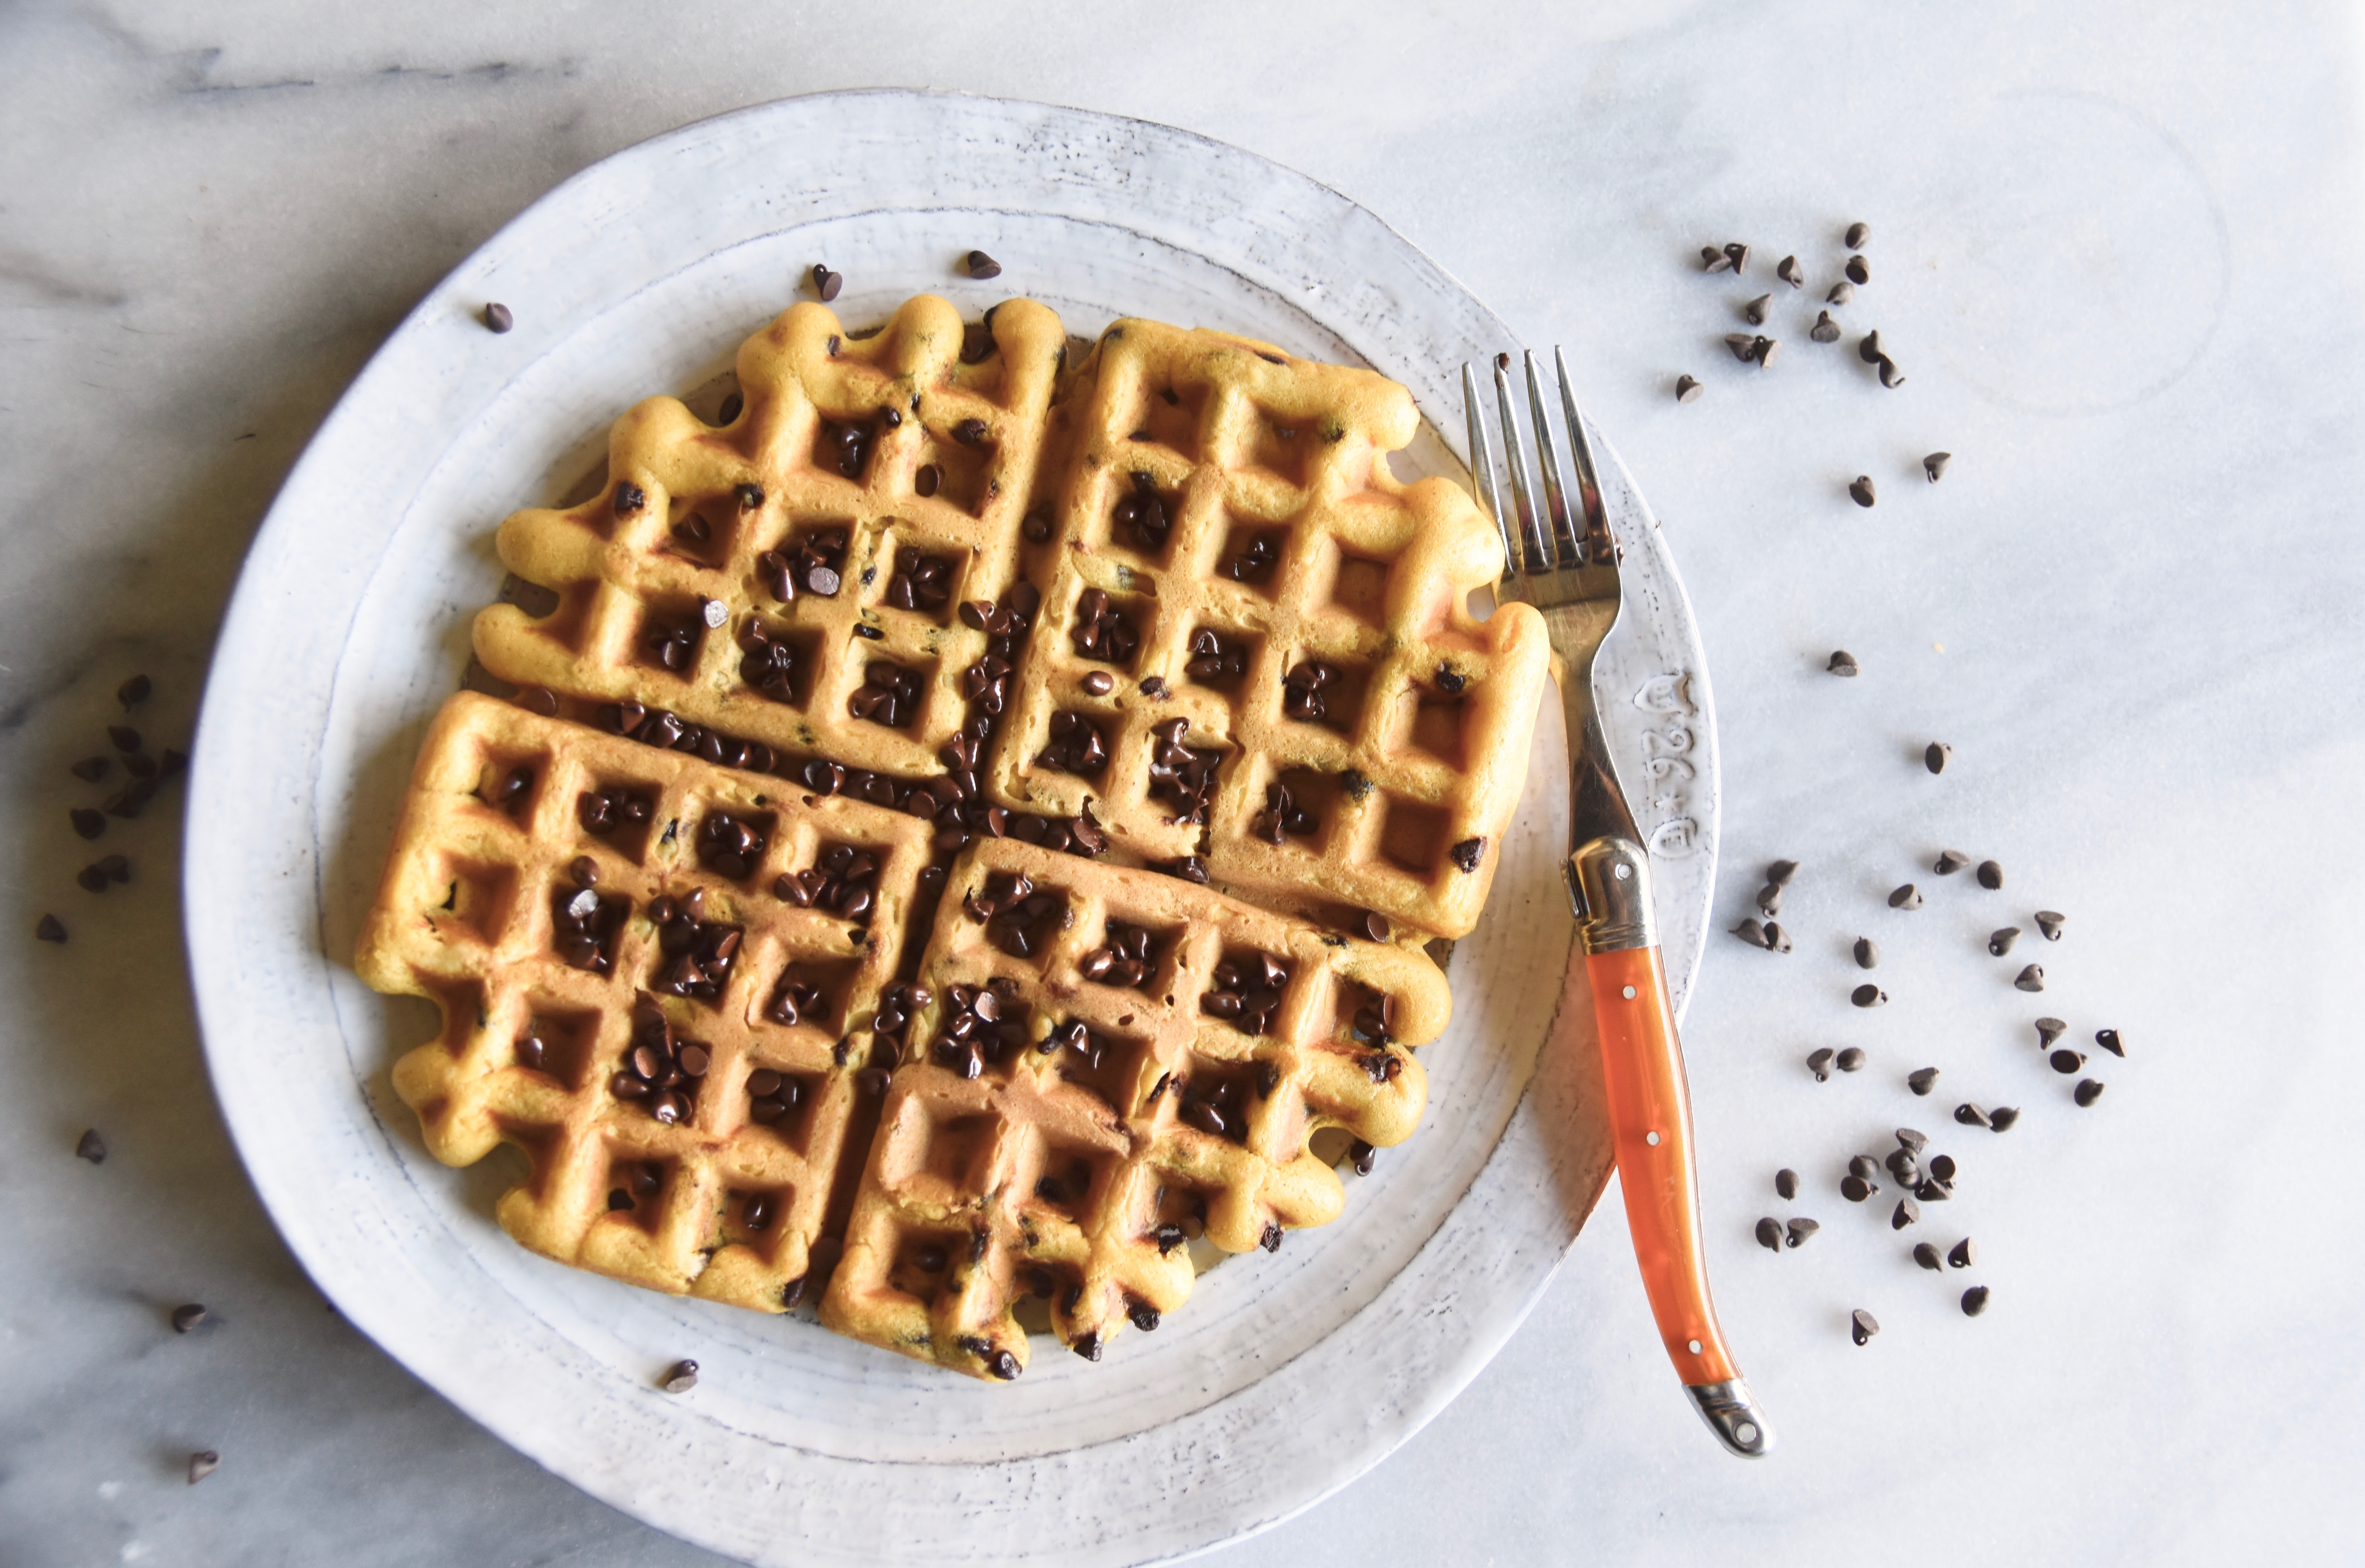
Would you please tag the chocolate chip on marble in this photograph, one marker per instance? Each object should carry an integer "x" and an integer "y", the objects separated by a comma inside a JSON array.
[
  {"x": 1688, "y": 389},
  {"x": 680, "y": 1377},
  {"x": 1934, "y": 1191},
  {"x": 1890, "y": 375},
  {"x": 49, "y": 928},
  {"x": 1926, "y": 1254},
  {"x": 826, "y": 282},
  {"x": 1860, "y": 490},
  {"x": 1867, "y": 347},
  {"x": 981, "y": 265},
  {"x": 1863, "y": 1326},
  {"x": 2089, "y": 1090},
  {"x": 91, "y": 1147},
  {"x": 205, "y": 1461},
  {"x": 1867, "y": 953},
  {"x": 1934, "y": 465},
  {"x": 1936, "y": 755},
  {"x": 2031, "y": 977},
  {"x": 1922, "y": 1079},
  {"x": 1842, "y": 663},
  {"x": 1961, "y": 1255},
  {"x": 497, "y": 317},
  {"x": 1864, "y": 1167},
  {"x": 2066, "y": 1061},
  {"x": 2109, "y": 1040},
  {"x": 1869, "y": 995},
  {"x": 1819, "y": 1063},
  {"x": 1949, "y": 861},
  {"x": 1743, "y": 345},
  {"x": 1712, "y": 260},
  {"x": 1801, "y": 1230},
  {"x": 2050, "y": 924},
  {"x": 1975, "y": 1301},
  {"x": 1786, "y": 1183},
  {"x": 2000, "y": 940},
  {"x": 1769, "y": 1234},
  {"x": 186, "y": 1318},
  {"x": 1738, "y": 253}
]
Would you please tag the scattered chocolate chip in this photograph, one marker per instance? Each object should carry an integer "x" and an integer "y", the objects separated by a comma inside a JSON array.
[
  {"x": 1990, "y": 876},
  {"x": 2000, "y": 940},
  {"x": 1825, "y": 330},
  {"x": 1890, "y": 375},
  {"x": 1842, "y": 663},
  {"x": 826, "y": 282},
  {"x": 981, "y": 265},
  {"x": 186, "y": 1318},
  {"x": 1776, "y": 939},
  {"x": 1921, "y": 1079},
  {"x": 1863, "y": 1326},
  {"x": 1789, "y": 272},
  {"x": 87, "y": 822},
  {"x": 1688, "y": 389},
  {"x": 1975, "y": 1301},
  {"x": 124, "y": 736},
  {"x": 1860, "y": 272},
  {"x": 1942, "y": 1166},
  {"x": 49, "y": 928},
  {"x": 1949, "y": 861},
  {"x": 1867, "y": 995},
  {"x": 1754, "y": 312},
  {"x": 2049, "y": 923},
  {"x": 1769, "y": 1234},
  {"x": 2049, "y": 1030},
  {"x": 91, "y": 1147},
  {"x": 2089, "y": 1090},
  {"x": 497, "y": 318},
  {"x": 1903, "y": 1166},
  {"x": 135, "y": 691},
  {"x": 1867, "y": 953},
  {"x": 1926, "y": 1254},
  {"x": 1860, "y": 490},
  {"x": 2066, "y": 1061},
  {"x": 1933, "y": 1191},
  {"x": 1842, "y": 292},
  {"x": 1801, "y": 1229},
  {"x": 1961, "y": 1255},
  {"x": 1770, "y": 899},
  {"x": 1935, "y": 463},
  {"x": 2109, "y": 1040},
  {"x": 1781, "y": 872},
  {"x": 205, "y": 1461},
  {"x": 1743, "y": 345},
  {"x": 1858, "y": 233},
  {"x": 1751, "y": 931},
  {"x": 1468, "y": 853},
  {"x": 91, "y": 769},
  {"x": 1856, "y": 1189},
  {"x": 2032, "y": 977},
  {"x": 1867, "y": 347},
  {"x": 1818, "y": 1061},
  {"x": 1907, "y": 1212},
  {"x": 2001, "y": 1118},
  {"x": 1712, "y": 260},
  {"x": 1786, "y": 1183},
  {"x": 1970, "y": 1115},
  {"x": 1765, "y": 350},
  {"x": 1936, "y": 755},
  {"x": 681, "y": 1378},
  {"x": 1864, "y": 1165}
]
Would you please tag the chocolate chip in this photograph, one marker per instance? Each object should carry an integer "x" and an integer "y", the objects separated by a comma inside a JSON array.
[
  {"x": 1765, "y": 350},
  {"x": 1935, "y": 463},
  {"x": 1926, "y": 1254},
  {"x": 1867, "y": 953},
  {"x": 1858, "y": 233},
  {"x": 1869, "y": 995},
  {"x": 2089, "y": 1090},
  {"x": 49, "y": 928},
  {"x": 981, "y": 265},
  {"x": 2001, "y": 1118},
  {"x": 1751, "y": 931},
  {"x": 2000, "y": 941},
  {"x": 1743, "y": 345},
  {"x": 135, "y": 691},
  {"x": 1754, "y": 312},
  {"x": 1712, "y": 260},
  {"x": 1912, "y": 1141},
  {"x": 1786, "y": 1183},
  {"x": 1867, "y": 347},
  {"x": 1975, "y": 1301},
  {"x": 205, "y": 1461},
  {"x": 1777, "y": 938},
  {"x": 125, "y": 737},
  {"x": 1801, "y": 1229},
  {"x": 1842, "y": 663},
  {"x": 2049, "y": 923},
  {"x": 1936, "y": 755},
  {"x": 2066, "y": 1061},
  {"x": 1970, "y": 1115},
  {"x": 1738, "y": 254},
  {"x": 2109, "y": 1040},
  {"x": 1789, "y": 272},
  {"x": 1949, "y": 861},
  {"x": 86, "y": 821},
  {"x": 1859, "y": 271},
  {"x": 1769, "y": 1234},
  {"x": 1864, "y": 1167},
  {"x": 1688, "y": 389},
  {"x": 91, "y": 1147},
  {"x": 1921, "y": 1078},
  {"x": 186, "y": 1318},
  {"x": 1781, "y": 872},
  {"x": 629, "y": 498},
  {"x": 1902, "y": 1165},
  {"x": 497, "y": 318},
  {"x": 1990, "y": 876},
  {"x": 2049, "y": 1030},
  {"x": 1961, "y": 1255},
  {"x": 1890, "y": 375},
  {"x": 1850, "y": 1058},
  {"x": 2031, "y": 977},
  {"x": 1099, "y": 683},
  {"x": 1856, "y": 1189},
  {"x": 1770, "y": 899},
  {"x": 1863, "y": 1326},
  {"x": 1907, "y": 1213},
  {"x": 1467, "y": 854},
  {"x": 1825, "y": 330},
  {"x": 1842, "y": 292},
  {"x": 826, "y": 282},
  {"x": 681, "y": 1378},
  {"x": 1860, "y": 490},
  {"x": 91, "y": 769},
  {"x": 1818, "y": 1061},
  {"x": 1143, "y": 1316}
]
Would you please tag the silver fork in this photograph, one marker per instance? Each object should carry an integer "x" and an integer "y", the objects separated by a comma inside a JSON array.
[{"x": 1567, "y": 567}]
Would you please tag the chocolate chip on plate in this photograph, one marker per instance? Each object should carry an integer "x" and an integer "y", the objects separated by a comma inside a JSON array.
[
  {"x": 1926, "y": 1254},
  {"x": 1801, "y": 1229},
  {"x": 680, "y": 1377},
  {"x": 1975, "y": 1301},
  {"x": 1863, "y": 1326},
  {"x": 498, "y": 319},
  {"x": 1921, "y": 1079},
  {"x": 1990, "y": 876},
  {"x": 1842, "y": 663},
  {"x": 1961, "y": 1255},
  {"x": 2109, "y": 1040},
  {"x": 1851, "y": 1059},
  {"x": 2031, "y": 977},
  {"x": 1786, "y": 1183},
  {"x": 2049, "y": 1030},
  {"x": 1906, "y": 897},
  {"x": 981, "y": 265},
  {"x": 2089, "y": 1090},
  {"x": 1769, "y": 1234},
  {"x": 1867, "y": 953}
]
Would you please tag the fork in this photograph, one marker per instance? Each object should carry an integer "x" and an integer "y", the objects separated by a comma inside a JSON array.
[{"x": 1567, "y": 567}]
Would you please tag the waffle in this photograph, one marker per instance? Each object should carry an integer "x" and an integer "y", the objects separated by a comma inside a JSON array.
[
  {"x": 1298, "y": 611},
  {"x": 662, "y": 580},
  {"x": 1071, "y": 1159},
  {"x": 877, "y": 892}
]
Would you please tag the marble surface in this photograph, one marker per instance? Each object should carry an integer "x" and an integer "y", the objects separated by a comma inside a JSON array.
[{"x": 2114, "y": 255}]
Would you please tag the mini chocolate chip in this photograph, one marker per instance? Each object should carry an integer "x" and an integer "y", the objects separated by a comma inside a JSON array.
[
  {"x": 981, "y": 265},
  {"x": 91, "y": 1147},
  {"x": 1860, "y": 490},
  {"x": 1743, "y": 345},
  {"x": 497, "y": 318},
  {"x": 826, "y": 282},
  {"x": 1926, "y": 1254},
  {"x": 1990, "y": 876},
  {"x": 1851, "y": 1059},
  {"x": 1712, "y": 260},
  {"x": 1906, "y": 897},
  {"x": 2089, "y": 1090},
  {"x": 1942, "y": 1166},
  {"x": 1825, "y": 330},
  {"x": 1769, "y": 1234},
  {"x": 1914, "y": 1141},
  {"x": 1786, "y": 1183},
  {"x": 1856, "y": 1188},
  {"x": 186, "y": 1318},
  {"x": 2110, "y": 1041},
  {"x": 1738, "y": 253},
  {"x": 133, "y": 692},
  {"x": 1936, "y": 755},
  {"x": 681, "y": 1378},
  {"x": 1842, "y": 292},
  {"x": 1754, "y": 312},
  {"x": 205, "y": 1461},
  {"x": 1688, "y": 389},
  {"x": 1467, "y": 854},
  {"x": 1751, "y": 931},
  {"x": 2001, "y": 1118},
  {"x": 1921, "y": 1078},
  {"x": 1961, "y": 1255},
  {"x": 1860, "y": 272},
  {"x": 1842, "y": 663},
  {"x": 2032, "y": 977},
  {"x": 1777, "y": 939},
  {"x": 1970, "y": 1115},
  {"x": 1867, "y": 995},
  {"x": 1801, "y": 1229},
  {"x": 91, "y": 769},
  {"x": 87, "y": 822},
  {"x": 1863, "y": 1326},
  {"x": 1975, "y": 1301},
  {"x": 1949, "y": 861},
  {"x": 1858, "y": 233},
  {"x": 1789, "y": 272},
  {"x": 125, "y": 737},
  {"x": 49, "y": 928},
  {"x": 1770, "y": 899},
  {"x": 2000, "y": 940},
  {"x": 2066, "y": 1061},
  {"x": 1864, "y": 1167},
  {"x": 1817, "y": 1061},
  {"x": 629, "y": 498},
  {"x": 1867, "y": 953},
  {"x": 1935, "y": 463},
  {"x": 1907, "y": 1213},
  {"x": 1781, "y": 871},
  {"x": 2049, "y": 923}
]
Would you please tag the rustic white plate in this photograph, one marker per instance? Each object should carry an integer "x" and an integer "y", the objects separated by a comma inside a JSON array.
[{"x": 1286, "y": 1375}]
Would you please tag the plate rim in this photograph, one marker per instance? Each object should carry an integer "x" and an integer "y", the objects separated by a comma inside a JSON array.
[{"x": 244, "y": 624}]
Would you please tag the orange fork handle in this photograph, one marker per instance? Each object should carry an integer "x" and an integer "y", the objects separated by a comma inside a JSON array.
[{"x": 1651, "y": 1119}]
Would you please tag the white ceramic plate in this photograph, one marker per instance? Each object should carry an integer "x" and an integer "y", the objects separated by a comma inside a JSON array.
[{"x": 1286, "y": 1375}]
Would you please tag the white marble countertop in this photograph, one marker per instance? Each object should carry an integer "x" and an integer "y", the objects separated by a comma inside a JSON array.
[{"x": 2114, "y": 249}]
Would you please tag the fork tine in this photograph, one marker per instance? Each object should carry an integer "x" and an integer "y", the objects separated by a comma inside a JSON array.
[
  {"x": 1481, "y": 467},
  {"x": 1589, "y": 478},
  {"x": 1561, "y": 548},
  {"x": 1523, "y": 494}
]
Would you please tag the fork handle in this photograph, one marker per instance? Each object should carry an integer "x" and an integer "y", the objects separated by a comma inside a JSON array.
[{"x": 1651, "y": 1125}]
